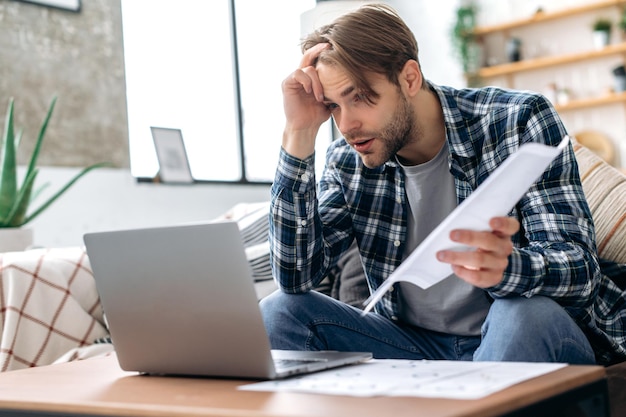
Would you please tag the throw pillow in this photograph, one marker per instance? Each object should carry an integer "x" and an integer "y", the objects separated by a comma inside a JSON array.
[{"x": 605, "y": 189}]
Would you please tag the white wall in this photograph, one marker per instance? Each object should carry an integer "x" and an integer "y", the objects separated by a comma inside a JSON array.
[
  {"x": 108, "y": 199},
  {"x": 432, "y": 22}
]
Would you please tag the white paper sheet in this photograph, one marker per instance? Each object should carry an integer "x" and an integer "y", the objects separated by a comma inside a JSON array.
[
  {"x": 496, "y": 196},
  {"x": 396, "y": 377}
]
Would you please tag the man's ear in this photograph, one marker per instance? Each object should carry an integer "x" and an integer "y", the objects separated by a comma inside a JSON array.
[{"x": 410, "y": 78}]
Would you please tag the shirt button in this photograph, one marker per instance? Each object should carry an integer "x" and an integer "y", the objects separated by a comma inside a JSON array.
[
  {"x": 394, "y": 318},
  {"x": 398, "y": 200},
  {"x": 303, "y": 223},
  {"x": 305, "y": 177},
  {"x": 391, "y": 289},
  {"x": 396, "y": 243}
]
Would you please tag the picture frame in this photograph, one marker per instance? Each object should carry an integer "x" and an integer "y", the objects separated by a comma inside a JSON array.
[{"x": 172, "y": 155}]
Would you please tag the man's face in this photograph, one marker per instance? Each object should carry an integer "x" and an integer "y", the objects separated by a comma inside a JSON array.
[{"x": 378, "y": 130}]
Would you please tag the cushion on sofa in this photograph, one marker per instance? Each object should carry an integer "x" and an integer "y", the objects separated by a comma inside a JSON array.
[{"x": 605, "y": 190}]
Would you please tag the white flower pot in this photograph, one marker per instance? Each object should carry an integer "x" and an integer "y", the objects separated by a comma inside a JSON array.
[
  {"x": 14, "y": 239},
  {"x": 600, "y": 39}
]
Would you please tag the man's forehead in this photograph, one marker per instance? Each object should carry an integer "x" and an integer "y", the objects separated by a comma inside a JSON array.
[
  {"x": 336, "y": 80},
  {"x": 340, "y": 83}
]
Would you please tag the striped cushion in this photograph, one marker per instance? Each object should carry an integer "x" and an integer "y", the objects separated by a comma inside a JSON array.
[
  {"x": 605, "y": 189},
  {"x": 253, "y": 222}
]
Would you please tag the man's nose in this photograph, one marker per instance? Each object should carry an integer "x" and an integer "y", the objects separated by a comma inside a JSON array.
[{"x": 347, "y": 122}]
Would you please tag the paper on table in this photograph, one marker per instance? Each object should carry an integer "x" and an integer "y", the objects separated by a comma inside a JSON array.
[
  {"x": 496, "y": 196},
  {"x": 396, "y": 377}
]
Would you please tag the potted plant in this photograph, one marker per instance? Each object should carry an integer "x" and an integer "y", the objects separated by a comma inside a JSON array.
[
  {"x": 464, "y": 40},
  {"x": 601, "y": 32},
  {"x": 15, "y": 199},
  {"x": 622, "y": 23}
]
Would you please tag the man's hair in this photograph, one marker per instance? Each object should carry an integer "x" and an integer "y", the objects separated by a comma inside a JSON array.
[{"x": 371, "y": 39}]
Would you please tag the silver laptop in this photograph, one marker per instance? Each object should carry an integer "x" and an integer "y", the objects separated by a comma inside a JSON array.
[{"x": 180, "y": 300}]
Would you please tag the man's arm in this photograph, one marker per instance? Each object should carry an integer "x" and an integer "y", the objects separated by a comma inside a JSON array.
[
  {"x": 303, "y": 105},
  {"x": 295, "y": 228},
  {"x": 554, "y": 253}
]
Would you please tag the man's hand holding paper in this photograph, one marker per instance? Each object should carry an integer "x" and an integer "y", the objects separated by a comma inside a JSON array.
[{"x": 468, "y": 226}]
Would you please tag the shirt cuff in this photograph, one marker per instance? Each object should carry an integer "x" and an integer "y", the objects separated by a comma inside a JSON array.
[{"x": 294, "y": 173}]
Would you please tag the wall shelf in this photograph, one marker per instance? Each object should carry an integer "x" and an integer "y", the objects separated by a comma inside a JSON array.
[
  {"x": 540, "y": 17},
  {"x": 512, "y": 68},
  {"x": 550, "y": 61},
  {"x": 607, "y": 99}
]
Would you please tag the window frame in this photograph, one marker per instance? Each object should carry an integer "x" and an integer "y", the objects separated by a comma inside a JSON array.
[{"x": 326, "y": 129}]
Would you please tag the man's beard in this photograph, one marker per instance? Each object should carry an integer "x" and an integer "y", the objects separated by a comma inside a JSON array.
[{"x": 399, "y": 132}]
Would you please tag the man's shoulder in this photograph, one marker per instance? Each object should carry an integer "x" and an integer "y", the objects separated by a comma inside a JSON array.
[{"x": 486, "y": 98}]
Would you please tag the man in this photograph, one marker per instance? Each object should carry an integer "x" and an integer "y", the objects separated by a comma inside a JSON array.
[{"x": 411, "y": 152}]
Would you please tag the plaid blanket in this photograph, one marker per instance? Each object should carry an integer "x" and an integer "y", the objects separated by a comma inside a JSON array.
[
  {"x": 49, "y": 307},
  {"x": 50, "y": 311}
]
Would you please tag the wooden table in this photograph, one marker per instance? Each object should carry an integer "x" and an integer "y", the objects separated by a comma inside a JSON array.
[{"x": 97, "y": 386}]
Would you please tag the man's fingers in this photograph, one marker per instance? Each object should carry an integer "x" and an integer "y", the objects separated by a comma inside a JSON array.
[
  {"x": 315, "y": 84},
  {"x": 299, "y": 79},
  {"x": 475, "y": 259},
  {"x": 307, "y": 75},
  {"x": 506, "y": 226},
  {"x": 306, "y": 79},
  {"x": 480, "y": 278},
  {"x": 486, "y": 241},
  {"x": 483, "y": 266},
  {"x": 311, "y": 54}
]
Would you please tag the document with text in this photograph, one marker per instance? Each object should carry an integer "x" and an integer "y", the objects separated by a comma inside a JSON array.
[
  {"x": 463, "y": 380},
  {"x": 496, "y": 196}
]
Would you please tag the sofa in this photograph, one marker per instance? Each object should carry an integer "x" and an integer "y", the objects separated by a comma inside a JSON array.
[
  {"x": 50, "y": 310},
  {"x": 605, "y": 190}
]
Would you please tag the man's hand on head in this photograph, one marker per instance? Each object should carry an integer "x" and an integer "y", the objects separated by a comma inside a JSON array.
[{"x": 304, "y": 111}]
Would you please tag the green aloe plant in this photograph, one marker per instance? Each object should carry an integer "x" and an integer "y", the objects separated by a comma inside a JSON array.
[{"x": 16, "y": 199}]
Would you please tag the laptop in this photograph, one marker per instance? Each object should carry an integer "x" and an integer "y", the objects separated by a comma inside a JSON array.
[{"x": 180, "y": 300}]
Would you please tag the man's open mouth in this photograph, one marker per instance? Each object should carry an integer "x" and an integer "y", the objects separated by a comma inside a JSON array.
[{"x": 362, "y": 145}]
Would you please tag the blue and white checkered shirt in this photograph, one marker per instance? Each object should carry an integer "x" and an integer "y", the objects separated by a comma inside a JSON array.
[{"x": 555, "y": 252}]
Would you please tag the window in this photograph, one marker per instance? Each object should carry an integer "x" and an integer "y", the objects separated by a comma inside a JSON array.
[{"x": 180, "y": 73}]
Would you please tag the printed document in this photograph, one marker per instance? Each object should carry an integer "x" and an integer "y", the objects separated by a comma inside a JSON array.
[{"x": 462, "y": 380}]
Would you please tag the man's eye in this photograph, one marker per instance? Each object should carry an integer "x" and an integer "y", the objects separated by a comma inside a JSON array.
[{"x": 332, "y": 106}]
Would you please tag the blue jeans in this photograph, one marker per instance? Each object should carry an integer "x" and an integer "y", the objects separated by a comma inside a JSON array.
[{"x": 533, "y": 329}]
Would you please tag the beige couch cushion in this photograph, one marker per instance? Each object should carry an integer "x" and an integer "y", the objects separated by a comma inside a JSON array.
[{"x": 605, "y": 189}]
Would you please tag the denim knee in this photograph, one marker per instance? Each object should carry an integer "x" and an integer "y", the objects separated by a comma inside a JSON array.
[
  {"x": 532, "y": 329},
  {"x": 529, "y": 313},
  {"x": 286, "y": 318},
  {"x": 279, "y": 303}
]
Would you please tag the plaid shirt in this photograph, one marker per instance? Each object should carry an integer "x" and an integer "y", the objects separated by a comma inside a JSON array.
[{"x": 554, "y": 254}]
